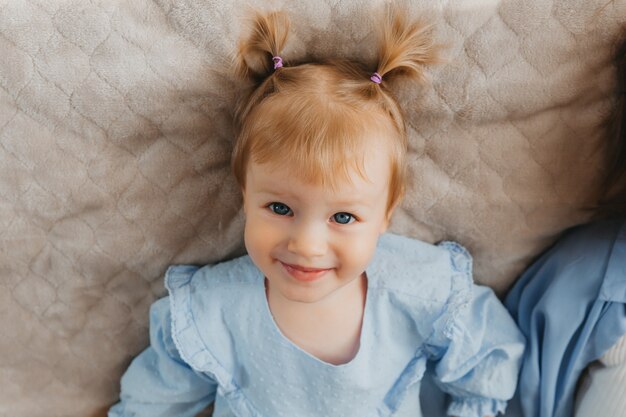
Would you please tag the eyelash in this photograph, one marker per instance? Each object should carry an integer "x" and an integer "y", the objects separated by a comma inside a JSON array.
[
  {"x": 352, "y": 218},
  {"x": 273, "y": 207}
]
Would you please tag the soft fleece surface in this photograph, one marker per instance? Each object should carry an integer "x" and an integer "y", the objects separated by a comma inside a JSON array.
[{"x": 114, "y": 146}]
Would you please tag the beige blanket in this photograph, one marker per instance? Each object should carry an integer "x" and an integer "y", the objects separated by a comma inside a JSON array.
[{"x": 115, "y": 132}]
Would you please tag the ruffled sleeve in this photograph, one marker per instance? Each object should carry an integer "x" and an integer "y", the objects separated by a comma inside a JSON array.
[
  {"x": 158, "y": 382},
  {"x": 475, "y": 343}
]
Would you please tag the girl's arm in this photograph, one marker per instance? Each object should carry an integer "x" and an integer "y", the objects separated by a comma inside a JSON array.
[
  {"x": 476, "y": 344},
  {"x": 158, "y": 382}
]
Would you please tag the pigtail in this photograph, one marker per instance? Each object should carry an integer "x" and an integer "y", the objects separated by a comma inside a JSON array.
[
  {"x": 405, "y": 47},
  {"x": 267, "y": 39},
  {"x": 256, "y": 59}
]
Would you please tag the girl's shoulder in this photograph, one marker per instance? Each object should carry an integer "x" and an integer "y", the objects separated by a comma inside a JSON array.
[
  {"x": 206, "y": 295},
  {"x": 421, "y": 270},
  {"x": 206, "y": 304},
  {"x": 233, "y": 274}
]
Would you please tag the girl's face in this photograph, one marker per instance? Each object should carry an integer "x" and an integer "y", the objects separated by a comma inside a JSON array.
[{"x": 308, "y": 240}]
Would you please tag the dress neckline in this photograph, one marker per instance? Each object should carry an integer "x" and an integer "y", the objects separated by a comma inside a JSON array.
[{"x": 269, "y": 319}]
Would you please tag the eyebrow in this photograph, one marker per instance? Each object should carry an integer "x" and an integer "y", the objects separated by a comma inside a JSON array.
[
  {"x": 276, "y": 193},
  {"x": 345, "y": 202}
]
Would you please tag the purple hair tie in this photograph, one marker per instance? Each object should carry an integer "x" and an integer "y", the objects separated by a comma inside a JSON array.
[
  {"x": 278, "y": 62},
  {"x": 376, "y": 78}
]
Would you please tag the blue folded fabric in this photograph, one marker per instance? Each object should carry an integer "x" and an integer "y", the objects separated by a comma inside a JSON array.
[{"x": 571, "y": 306}]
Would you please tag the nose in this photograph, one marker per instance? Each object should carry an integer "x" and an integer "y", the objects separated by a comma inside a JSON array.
[{"x": 308, "y": 240}]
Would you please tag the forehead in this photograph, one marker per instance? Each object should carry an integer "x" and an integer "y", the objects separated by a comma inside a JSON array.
[
  {"x": 325, "y": 157},
  {"x": 364, "y": 179}
]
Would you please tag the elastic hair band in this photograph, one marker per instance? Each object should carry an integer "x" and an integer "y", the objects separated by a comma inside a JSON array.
[
  {"x": 278, "y": 62},
  {"x": 376, "y": 77}
]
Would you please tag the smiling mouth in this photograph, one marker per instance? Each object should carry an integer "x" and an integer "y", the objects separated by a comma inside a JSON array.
[{"x": 304, "y": 274}]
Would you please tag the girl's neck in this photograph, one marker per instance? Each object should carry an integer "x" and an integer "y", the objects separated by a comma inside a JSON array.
[
  {"x": 350, "y": 294},
  {"x": 329, "y": 329}
]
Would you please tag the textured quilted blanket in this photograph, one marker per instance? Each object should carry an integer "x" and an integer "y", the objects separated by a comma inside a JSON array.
[{"x": 115, "y": 132}]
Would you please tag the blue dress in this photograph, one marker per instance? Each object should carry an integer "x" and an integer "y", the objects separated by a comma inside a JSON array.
[
  {"x": 213, "y": 339},
  {"x": 571, "y": 306}
]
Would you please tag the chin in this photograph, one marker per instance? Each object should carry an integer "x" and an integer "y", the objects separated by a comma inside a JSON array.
[{"x": 303, "y": 295}]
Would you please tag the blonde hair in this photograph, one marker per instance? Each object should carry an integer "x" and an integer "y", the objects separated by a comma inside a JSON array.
[{"x": 314, "y": 117}]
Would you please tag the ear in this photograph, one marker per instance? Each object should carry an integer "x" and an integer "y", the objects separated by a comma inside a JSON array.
[
  {"x": 243, "y": 199},
  {"x": 385, "y": 224}
]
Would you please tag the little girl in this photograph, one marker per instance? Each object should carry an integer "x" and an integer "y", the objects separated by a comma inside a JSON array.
[{"x": 326, "y": 315}]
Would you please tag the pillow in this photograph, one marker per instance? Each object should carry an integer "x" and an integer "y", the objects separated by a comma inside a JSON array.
[{"x": 115, "y": 134}]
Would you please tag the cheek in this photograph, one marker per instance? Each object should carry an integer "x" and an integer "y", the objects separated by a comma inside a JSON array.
[
  {"x": 260, "y": 237},
  {"x": 358, "y": 252}
]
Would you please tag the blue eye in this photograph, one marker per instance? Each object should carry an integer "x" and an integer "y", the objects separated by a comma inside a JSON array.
[
  {"x": 280, "y": 209},
  {"x": 343, "y": 218}
]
